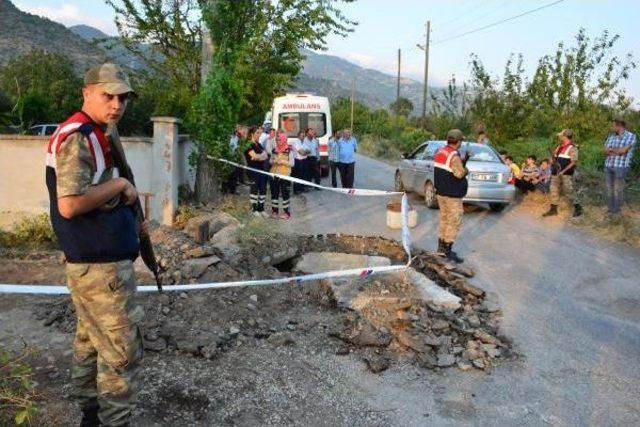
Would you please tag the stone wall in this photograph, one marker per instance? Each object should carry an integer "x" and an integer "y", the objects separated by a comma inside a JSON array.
[{"x": 160, "y": 165}]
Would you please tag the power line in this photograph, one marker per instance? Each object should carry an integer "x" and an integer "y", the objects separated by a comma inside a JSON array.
[
  {"x": 498, "y": 22},
  {"x": 476, "y": 17}
]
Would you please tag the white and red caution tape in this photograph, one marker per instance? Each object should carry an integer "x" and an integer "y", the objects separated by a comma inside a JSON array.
[{"x": 359, "y": 272}]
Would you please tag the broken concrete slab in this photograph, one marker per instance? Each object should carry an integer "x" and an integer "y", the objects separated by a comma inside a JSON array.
[
  {"x": 430, "y": 292},
  {"x": 318, "y": 262},
  {"x": 225, "y": 240},
  {"x": 194, "y": 268}
]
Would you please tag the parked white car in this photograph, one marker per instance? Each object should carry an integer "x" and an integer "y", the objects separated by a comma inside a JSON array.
[
  {"x": 490, "y": 180},
  {"x": 43, "y": 129}
]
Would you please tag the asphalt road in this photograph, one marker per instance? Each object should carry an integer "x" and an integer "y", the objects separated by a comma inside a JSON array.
[{"x": 571, "y": 304}]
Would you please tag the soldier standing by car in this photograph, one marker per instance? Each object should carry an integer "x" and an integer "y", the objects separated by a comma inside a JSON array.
[
  {"x": 95, "y": 223},
  {"x": 565, "y": 159},
  {"x": 451, "y": 186}
]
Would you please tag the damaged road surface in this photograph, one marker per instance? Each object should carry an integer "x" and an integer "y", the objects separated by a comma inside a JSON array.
[{"x": 276, "y": 355}]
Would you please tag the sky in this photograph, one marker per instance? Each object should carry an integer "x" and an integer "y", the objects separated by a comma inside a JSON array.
[{"x": 385, "y": 26}]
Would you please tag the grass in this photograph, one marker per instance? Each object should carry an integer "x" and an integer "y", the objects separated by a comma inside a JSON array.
[
  {"x": 17, "y": 388},
  {"x": 34, "y": 232}
]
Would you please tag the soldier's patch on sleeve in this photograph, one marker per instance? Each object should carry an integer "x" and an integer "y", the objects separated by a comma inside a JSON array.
[{"x": 74, "y": 166}]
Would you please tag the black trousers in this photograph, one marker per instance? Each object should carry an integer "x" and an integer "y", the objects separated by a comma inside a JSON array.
[
  {"x": 314, "y": 169},
  {"x": 258, "y": 191},
  {"x": 299, "y": 171},
  {"x": 333, "y": 167},
  {"x": 347, "y": 174},
  {"x": 524, "y": 186},
  {"x": 280, "y": 187}
]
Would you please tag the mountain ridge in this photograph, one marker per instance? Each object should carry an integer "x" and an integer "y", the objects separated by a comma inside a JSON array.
[{"x": 86, "y": 46}]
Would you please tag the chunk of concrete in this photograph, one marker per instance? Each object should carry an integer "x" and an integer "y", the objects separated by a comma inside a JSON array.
[
  {"x": 225, "y": 240},
  {"x": 318, "y": 262},
  {"x": 429, "y": 291},
  {"x": 194, "y": 268}
]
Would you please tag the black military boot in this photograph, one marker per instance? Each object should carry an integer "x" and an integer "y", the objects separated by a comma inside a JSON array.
[
  {"x": 90, "y": 415},
  {"x": 553, "y": 210},
  {"x": 451, "y": 255},
  {"x": 441, "y": 246},
  {"x": 577, "y": 210}
]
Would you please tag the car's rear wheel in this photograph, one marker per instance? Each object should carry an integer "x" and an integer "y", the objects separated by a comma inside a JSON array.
[
  {"x": 430, "y": 195},
  {"x": 497, "y": 207},
  {"x": 398, "y": 182}
]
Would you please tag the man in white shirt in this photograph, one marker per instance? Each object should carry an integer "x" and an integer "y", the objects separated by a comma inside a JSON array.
[{"x": 300, "y": 164}]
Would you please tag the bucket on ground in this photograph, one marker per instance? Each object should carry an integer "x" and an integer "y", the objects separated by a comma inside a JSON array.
[{"x": 394, "y": 215}]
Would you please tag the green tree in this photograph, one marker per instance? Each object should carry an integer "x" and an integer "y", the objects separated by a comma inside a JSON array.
[
  {"x": 166, "y": 35},
  {"x": 401, "y": 107},
  {"x": 45, "y": 92}
]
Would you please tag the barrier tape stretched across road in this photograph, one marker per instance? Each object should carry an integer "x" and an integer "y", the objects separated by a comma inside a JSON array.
[{"x": 360, "y": 272}]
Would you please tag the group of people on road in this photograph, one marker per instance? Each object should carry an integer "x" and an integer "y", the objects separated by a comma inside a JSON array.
[
  {"x": 271, "y": 150},
  {"x": 555, "y": 176},
  {"x": 532, "y": 176}
]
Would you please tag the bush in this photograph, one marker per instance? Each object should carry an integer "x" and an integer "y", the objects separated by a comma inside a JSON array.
[
  {"x": 17, "y": 389},
  {"x": 31, "y": 232}
]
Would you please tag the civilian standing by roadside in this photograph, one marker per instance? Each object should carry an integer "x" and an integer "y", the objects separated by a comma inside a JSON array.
[
  {"x": 347, "y": 146},
  {"x": 334, "y": 157},
  {"x": 313, "y": 159},
  {"x": 619, "y": 149},
  {"x": 256, "y": 156},
  {"x": 300, "y": 165},
  {"x": 482, "y": 138}
]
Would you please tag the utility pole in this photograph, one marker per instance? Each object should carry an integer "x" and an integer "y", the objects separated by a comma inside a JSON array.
[
  {"x": 425, "y": 89},
  {"x": 398, "y": 85},
  {"x": 353, "y": 94}
]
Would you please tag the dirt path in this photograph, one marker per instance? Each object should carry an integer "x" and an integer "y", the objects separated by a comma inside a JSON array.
[{"x": 570, "y": 302}]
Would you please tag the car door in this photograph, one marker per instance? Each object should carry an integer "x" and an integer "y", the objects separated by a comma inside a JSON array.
[
  {"x": 407, "y": 167},
  {"x": 424, "y": 166}
]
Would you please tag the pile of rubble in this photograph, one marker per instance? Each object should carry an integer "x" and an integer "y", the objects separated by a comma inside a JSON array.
[{"x": 431, "y": 315}]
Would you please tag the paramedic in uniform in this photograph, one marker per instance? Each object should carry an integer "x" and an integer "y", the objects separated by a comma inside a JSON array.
[
  {"x": 451, "y": 186},
  {"x": 565, "y": 159},
  {"x": 93, "y": 218}
]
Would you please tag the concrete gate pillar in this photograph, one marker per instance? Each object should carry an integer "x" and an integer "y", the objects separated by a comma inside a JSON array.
[{"x": 165, "y": 169}]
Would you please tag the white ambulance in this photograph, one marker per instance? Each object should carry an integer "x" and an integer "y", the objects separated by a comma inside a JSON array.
[{"x": 295, "y": 112}]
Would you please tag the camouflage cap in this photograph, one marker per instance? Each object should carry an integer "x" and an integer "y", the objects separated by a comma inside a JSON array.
[
  {"x": 111, "y": 77},
  {"x": 566, "y": 132},
  {"x": 455, "y": 135}
]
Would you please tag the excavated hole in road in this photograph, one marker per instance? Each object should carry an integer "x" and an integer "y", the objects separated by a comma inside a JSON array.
[{"x": 389, "y": 323}]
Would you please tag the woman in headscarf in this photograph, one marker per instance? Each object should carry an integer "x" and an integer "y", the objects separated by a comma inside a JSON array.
[{"x": 282, "y": 160}]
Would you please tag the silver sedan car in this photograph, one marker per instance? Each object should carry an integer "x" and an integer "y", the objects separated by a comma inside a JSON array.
[{"x": 490, "y": 180}]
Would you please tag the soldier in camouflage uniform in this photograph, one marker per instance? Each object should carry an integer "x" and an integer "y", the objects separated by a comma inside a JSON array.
[
  {"x": 451, "y": 186},
  {"x": 92, "y": 215},
  {"x": 565, "y": 160}
]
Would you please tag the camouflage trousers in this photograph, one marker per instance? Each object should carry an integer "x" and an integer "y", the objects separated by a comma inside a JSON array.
[
  {"x": 450, "y": 217},
  {"x": 108, "y": 344},
  {"x": 562, "y": 184}
]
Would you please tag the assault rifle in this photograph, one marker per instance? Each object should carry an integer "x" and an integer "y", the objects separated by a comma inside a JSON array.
[
  {"x": 146, "y": 247},
  {"x": 555, "y": 166}
]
